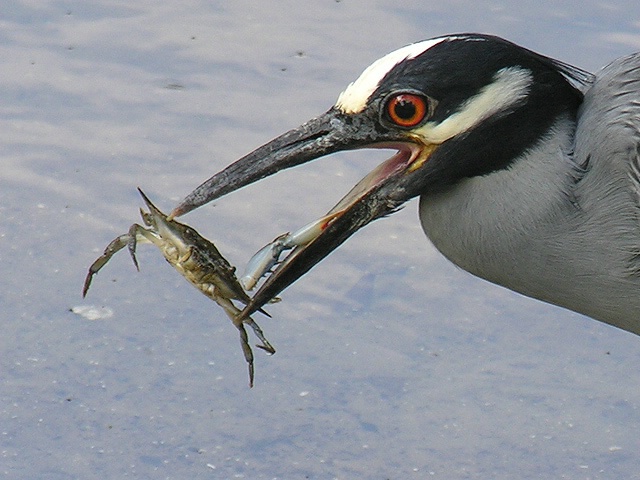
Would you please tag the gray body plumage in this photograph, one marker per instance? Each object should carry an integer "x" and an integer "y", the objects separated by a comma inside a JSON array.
[{"x": 562, "y": 224}]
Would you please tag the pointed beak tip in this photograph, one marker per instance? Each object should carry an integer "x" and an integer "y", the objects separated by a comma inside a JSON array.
[{"x": 178, "y": 211}]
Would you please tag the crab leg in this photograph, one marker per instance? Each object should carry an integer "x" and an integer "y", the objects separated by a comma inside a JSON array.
[{"x": 269, "y": 255}]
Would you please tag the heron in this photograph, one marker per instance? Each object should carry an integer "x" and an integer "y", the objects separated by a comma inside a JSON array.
[{"x": 527, "y": 169}]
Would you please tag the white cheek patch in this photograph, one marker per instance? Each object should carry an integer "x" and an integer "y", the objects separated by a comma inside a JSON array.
[
  {"x": 355, "y": 96},
  {"x": 509, "y": 88}
]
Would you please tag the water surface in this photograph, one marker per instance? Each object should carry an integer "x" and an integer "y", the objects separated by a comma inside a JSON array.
[{"x": 391, "y": 362}]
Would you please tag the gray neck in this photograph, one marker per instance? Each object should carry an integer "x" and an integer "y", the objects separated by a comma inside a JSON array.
[{"x": 536, "y": 230}]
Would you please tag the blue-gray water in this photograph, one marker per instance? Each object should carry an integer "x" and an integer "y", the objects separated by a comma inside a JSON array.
[{"x": 391, "y": 362}]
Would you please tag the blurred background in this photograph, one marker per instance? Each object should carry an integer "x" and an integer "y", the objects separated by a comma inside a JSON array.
[{"x": 391, "y": 362}]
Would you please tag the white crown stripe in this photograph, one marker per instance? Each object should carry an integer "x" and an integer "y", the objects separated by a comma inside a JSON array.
[{"x": 354, "y": 98}]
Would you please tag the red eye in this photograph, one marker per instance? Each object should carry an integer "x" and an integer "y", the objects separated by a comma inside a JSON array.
[{"x": 407, "y": 109}]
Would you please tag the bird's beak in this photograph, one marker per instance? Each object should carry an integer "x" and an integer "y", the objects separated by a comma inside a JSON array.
[{"x": 380, "y": 193}]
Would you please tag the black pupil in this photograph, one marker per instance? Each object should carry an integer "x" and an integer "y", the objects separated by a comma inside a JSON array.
[{"x": 405, "y": 109}]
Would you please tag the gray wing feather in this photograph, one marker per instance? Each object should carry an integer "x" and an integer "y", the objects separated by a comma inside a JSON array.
[
  {"x": 609, "y": 120},
  {"x": 607, "y": 148}
]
